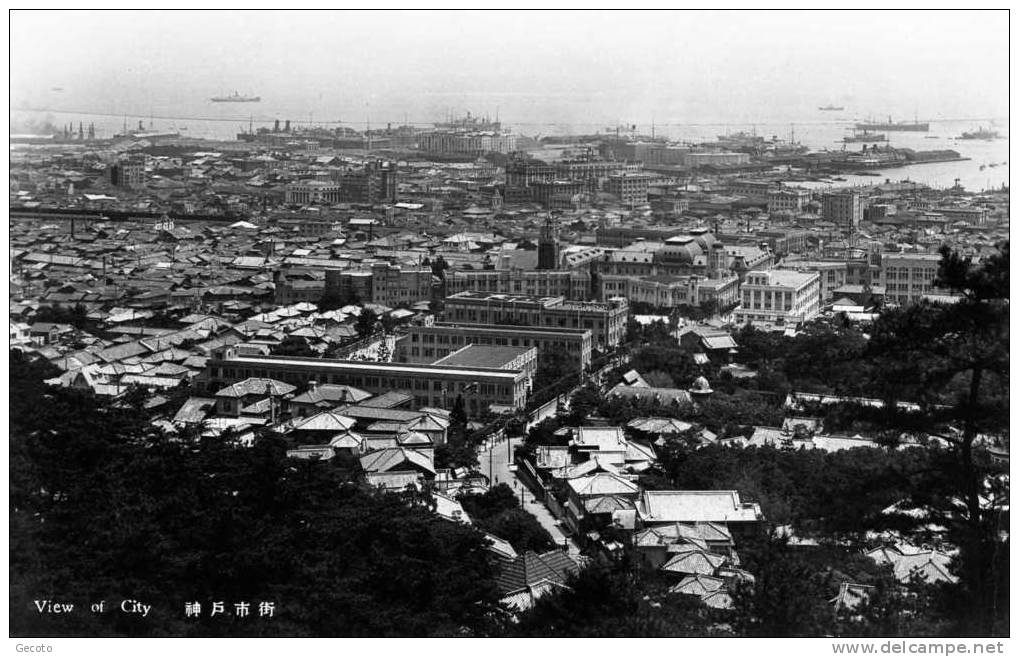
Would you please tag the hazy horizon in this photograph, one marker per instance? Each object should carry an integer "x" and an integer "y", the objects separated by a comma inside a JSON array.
[{"x": 569, "y": 67}]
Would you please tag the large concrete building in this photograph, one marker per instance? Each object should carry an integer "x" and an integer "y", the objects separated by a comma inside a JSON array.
[
  {"x": 606, "y": 320},
  {"x": 779, "y": 297},
  {"x": 570, "y": 284},
  {"x": 709, "y": 158},
  {"x": 127, "y": 173},
  {"x": 844, "y": 209},
  {"x": 788, "y": 199},
  {"x": 379, "y": 282},
  {"x": 313, "y": 192},
  {"x": 833, "y": 274},
  {"x": 467, "y": 143},
  {"x": 426, "y": 344},
  {"x": 671, "y": 291},
  {"x": 629, "y": 187},
  {"x": 907, "y": 277},
  {"x": 438, "y": 386},
  {"x": 375, "y": 182}
]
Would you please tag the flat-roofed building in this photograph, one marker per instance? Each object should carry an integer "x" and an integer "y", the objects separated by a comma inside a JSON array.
[
  {"x": 834, "y": 274},
  {"x": 426, "y": 344},
  {"x": 534, "y": 282},
  {"x": 431, "y": 385},
  {"x": 907, "y": 277},
  {"x": 844, "y": 209},
  {"x": 605, "y": 319},
  {"x": 664, "y": 291},
  {"x": 313, "y": 192},
  {"x": 524, "y": 359},
  {"x": 788, "y": 199},
  {"x": 779, "y": 297},
  {"x": 631, "y": 188}
]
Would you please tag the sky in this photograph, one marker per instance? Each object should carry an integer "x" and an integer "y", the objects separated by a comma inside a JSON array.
[{"x": 568, "y": 67}]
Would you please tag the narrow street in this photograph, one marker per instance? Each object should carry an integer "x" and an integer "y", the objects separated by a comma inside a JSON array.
[{"x": 495, "y": 461}]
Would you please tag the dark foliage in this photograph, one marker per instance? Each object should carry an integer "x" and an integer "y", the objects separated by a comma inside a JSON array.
[
  {"x": 104, "y": 507},
  {"x": 498, "y": 512},
  {"x": 611, "y": 602}
]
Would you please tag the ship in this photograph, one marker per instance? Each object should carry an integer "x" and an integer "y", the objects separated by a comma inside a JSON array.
[
  {"x": 982, "y": 133},
  {"x": 236, "y": 98},
  {"x": 831, "y": 108},
  {"x": 915, "y": 126},
  {"x": 865, "y": 137}
]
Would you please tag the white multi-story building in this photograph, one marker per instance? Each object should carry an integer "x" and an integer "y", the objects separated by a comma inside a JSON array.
[
  {"x": 779, "y": 297},
  {"x": 906, "y": 277},
  {"x": 788, "y": 199}
]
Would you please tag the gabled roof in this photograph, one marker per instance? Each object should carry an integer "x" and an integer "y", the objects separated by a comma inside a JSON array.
[
  {"x": 660, "y": 395},
  {"x": 500, "y": 547},
  {"x": 194, "y": 410},
  {"x": 607, "y": 504},
  {"x": 325, "y": 421},
  {"x": 694, "y": 562},
  {"x": 390, "y": 399},
  {"x": 329, "y": 392},
  {"x": 530, "y": 569},
  {"x": 851, "y": 595},
  {"x": 698, "y": 585},
  {"x": 929, "y": 565},
  {"x": 602, "y": 483},
  {"x": 591, "y": 466},
  {"x": 638, "y": 452},
  {"x": 392, "y": 458},
  {"x": 659, "y": 425},
  {"x": 256, "y": 386},
  {"x": 347, "y": 440}
]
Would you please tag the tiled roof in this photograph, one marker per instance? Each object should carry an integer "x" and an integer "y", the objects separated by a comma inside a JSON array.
[
  {"x": 698, "y": 585},
  {"x": 603, "y": 483},
  {"x": 256, "y": 386},
  {"x": 530, "y": 569},
  {"x": 387, "y": 459},
  {"x": 694, "y": 562},
  {"x": 325, "y": 421}
]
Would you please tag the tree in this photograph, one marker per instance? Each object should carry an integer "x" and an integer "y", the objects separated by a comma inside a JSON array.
[
  {"x": 295, "y": 346},
  {"x": 366, "y": 321},
  {"x": 609, "y": 601},
  {"x": 497, "y": 511},
  {"x": 104, "y": 505},
  {"x": 951, "y": 362},
  {"x": 787, "y": 599},
  {"x": 554, "y": 365}
]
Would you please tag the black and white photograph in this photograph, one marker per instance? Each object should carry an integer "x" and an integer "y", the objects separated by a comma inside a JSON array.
[{"x": 498, "y": 324}]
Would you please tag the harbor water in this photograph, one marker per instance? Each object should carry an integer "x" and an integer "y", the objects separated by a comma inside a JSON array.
[{"x": 986, "y": 166}]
